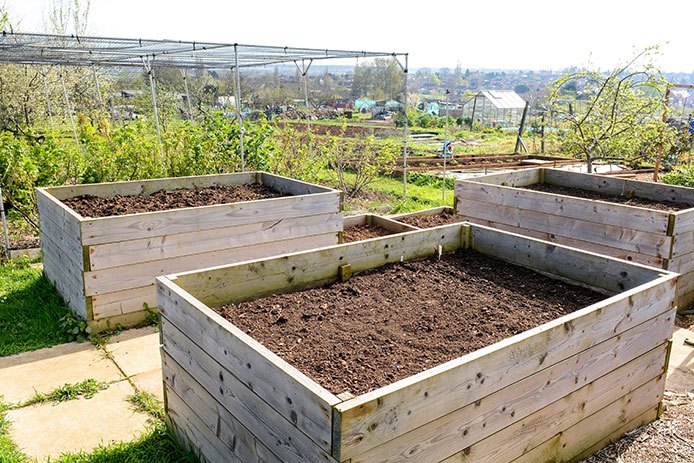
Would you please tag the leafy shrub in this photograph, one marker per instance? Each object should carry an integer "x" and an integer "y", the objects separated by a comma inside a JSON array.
[{"x": 682, "y": 176}]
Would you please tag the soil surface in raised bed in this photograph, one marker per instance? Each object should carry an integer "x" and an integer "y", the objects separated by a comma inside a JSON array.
[
  {"x": 93, "y": 206},
  {"x": 629, "y": 201},
  {"x": 363, "y": 232},
  {"x": 390, "y": 323},
  {"x": 429, "y": 221}
]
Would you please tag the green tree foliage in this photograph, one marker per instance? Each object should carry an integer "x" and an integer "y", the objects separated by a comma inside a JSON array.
[
  {"x": 382, "y": 80},
  {"x": 682, "y": 176},
  {"x": 622, "y": 117},
  {"x": 364, "y": 158}
]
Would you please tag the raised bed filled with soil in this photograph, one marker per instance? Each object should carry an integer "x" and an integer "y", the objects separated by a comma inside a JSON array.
[
  {"x": 367, "y": 226},
  {"x": 643, "y": 222},
  {"x": 457, "y": 343},
  {"x": 103, "y": 244},
  {"x": 429, "y": 218}
]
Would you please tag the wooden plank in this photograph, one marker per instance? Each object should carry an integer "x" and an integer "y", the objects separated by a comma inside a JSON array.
[
  {"x": 682, "y": 264},
  {"x": 608, "y": 410},
  {"x": 147, "y": 187},
  {"x": 291, "y": 186},
  {"x": 618, "y": 215},
  {"x": 607, "y": 235},
  {"x": 400, "y": 406},
  {"x": 279, "y": 433},
  {"x": 194, "y": 403},
  {"x": 618, "y": 186},
  {"x": 391, "y": 225},
  {"x": 302, "y": 401},
  {"x": 68, "y": 271},
  {"x": 431, "y": 211},
  {"x": 291, "y": 271},
  {"x": 123, "y": 302},
  {"x": 65, "y": 218},
  {"x": 683, "y": 244},
  {"x": 519, "y": 178},
  {"x": 596, "y": 428},
  {"x": 27, "y": 253},
  {"x": 199, "y": 242},
  {"x": 685, "y": 300},
  {"x": 137, "y": 275},
  {"x": 61, "y": 237},
  {"x": 592, "y": 269},
  {"x": 459, "y": 429},
  {"x": 684, "y": 221},
  {"x": 148, "y": 224},
  {"x": 73, "y": 296},
  {"x": 128, "y": 320},
  {"x": 574, "y": 243}
]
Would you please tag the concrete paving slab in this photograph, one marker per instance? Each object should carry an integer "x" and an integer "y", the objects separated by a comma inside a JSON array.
[
  {"x": 151, "y": 382},
  {"x": 136, "y": 351},
  {"x": 680, "y": 376},
  {"x": 46, "y": 369},
  {"x": 47, "y": 430}
]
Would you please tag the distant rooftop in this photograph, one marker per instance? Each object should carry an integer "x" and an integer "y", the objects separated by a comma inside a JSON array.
[{"x": 503, "y": 99}]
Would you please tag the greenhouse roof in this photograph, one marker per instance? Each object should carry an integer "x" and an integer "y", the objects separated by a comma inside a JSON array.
[
  {"x": 503, "y": 99},
  {"x": 72, "y": 50}
]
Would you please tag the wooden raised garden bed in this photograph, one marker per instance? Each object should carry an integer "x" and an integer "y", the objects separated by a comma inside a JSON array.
[
  {"x": 658, "y": 231},
  {"x": 105, "y": 267},
  {"x": 429, "y": 218},
  {"x": 555, "y": 391},
  {"x": 367, "y": 226}
]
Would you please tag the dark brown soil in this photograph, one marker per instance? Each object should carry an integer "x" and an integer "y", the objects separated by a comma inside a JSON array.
[
  {"x": 429, "y": 221},
  {"x": 363, "y": 232},
  {"x": 664, "y": 205},
  {"x": 92, "y": 206},
  {"x": 390, "y": 323}
]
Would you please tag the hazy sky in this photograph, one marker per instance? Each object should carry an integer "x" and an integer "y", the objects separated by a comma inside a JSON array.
[{"x": 531, "y": 34}]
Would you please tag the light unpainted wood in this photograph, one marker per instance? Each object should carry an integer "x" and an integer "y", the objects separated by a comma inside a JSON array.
[
  {"x": 683, "y": 244},
  {"x": 291, "y": 186},
  {"x": 123, "y": 302},
  {"x": 234, "y": 283},
  {"x": 63, "y": 240},
  {"x": 516, "y": 442},
  {"x": 607, "y": 235},
  {"x": 280, "y": 434},
  {"x": 118, "y": 322},
  {"x": 592, "y": 269},
  {"x": 375, "y": 220},
  {"x": 618, "y": 215},
  {"x": 199, "y": 242},
  {"x": 592, "y": 430},
  {"x": 74, "y": 297},
  {"x": 424, "y": 212},
  {"x": 575, "y": 243},
  {"x": 618, "y": 186},
  {"x": 224, "y": 431},
  {"x": 148, "y": 224},
  {"x": 457, "y": 430},
  {"x": 60, "y": 214},
  {"x": 27, "y": 253},
  {"x": 137, "y": 275},
  {"x": 147, "y": 187},
  {"x": 682, "y": 264},
  {"x": 379, "y": 415},
  {"x": 301, "y": 401},
  {"x": 523, "y": 177},
  {"x": 684, "y": 221}
]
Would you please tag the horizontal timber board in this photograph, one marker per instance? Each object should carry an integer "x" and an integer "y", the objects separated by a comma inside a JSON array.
[
  {"x": 148, "y": 224},
  {"x": 593, "y": 429},
  {"x": 611, "y": 407},
  {"x": 592, "y": 269},
  {"x": 71, "y": 295},
  {"x": 645, "y": 344},
  {"x": 618, "y": 215},
  {"x": 190, "y": 400},
  {"x": 375, "y": 220},
  {"x": 197, "y": 242},
  {"x": 424, "y": 212},
  {"x": 523, "y": 177},
  {"x": 65, "y": 218},
  {"x": 682, "y": 264},
  {"x": 683, "y": 244},
  {"x": 280, "y": 434},
  {"x": 618, "y": 186},
  {"x": 123, "y": 302},
  {"x": 291, "y": 271},
  {"x": 137, "y": 275},
  {"x": 147, "y": 187},
  {"x": 469, "y": 378},
  {"x": 684, "y": 221},
  {"x": 70, "y": 270},
  {"x": 302, "y": 401},
  {"x": 608, "y": 235},
  {"x": 291, "y": 186},
  {"x": 66, "y": 242},
  {"x": 574, "y": 243}
]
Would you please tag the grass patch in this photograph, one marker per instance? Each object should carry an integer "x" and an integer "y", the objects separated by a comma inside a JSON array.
[
  {"x": 30, "y": 310},
  {"x": 87, "y": 389},
  {"x": 9, "y": 453},
  {"x": 146, "y": 402}
]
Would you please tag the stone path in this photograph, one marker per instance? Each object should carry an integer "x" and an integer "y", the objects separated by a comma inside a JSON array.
[{"x": 129, "y": 361}]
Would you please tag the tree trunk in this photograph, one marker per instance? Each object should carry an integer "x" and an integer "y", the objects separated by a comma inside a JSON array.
[{"x": 589, "y": 162}]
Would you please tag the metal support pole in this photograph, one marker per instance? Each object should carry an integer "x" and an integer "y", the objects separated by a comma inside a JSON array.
[
  {"x": 445, "y": 139},
  {"x": 67, "y": 105},
  {"x": 474, "y": 107},
  {"x": 185, "y": 84},
  {"x": 48, "y": 99},
  {"x": 304, "y": 72},
  {"x": 666, "y": 103},
  {"x": 238, "y": 107},
  {"x": 519, "y": 139},
  {"x": 404, "y": 131},
  {"x": 4, "y": 225},
  {"x": 150, "y": 73},
  {"x": 98, "y": 88}
]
